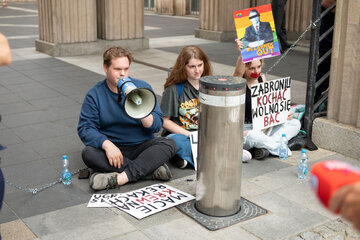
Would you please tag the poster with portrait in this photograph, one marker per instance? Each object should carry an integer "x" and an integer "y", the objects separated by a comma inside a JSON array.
[{"x": 255, "y": 27}]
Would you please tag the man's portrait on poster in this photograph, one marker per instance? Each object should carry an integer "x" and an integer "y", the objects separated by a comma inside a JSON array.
[{"x": 258, "y": 33}]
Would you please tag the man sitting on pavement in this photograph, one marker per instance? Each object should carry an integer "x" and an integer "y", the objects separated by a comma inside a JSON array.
[{"x": 119, "y": 148}]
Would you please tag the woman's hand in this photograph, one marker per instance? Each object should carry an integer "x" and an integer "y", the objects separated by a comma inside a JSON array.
[
  {"x": 290, "y": 116},
  {"x": 246, "y": 133},
  {"x": 239, "y": 44}
]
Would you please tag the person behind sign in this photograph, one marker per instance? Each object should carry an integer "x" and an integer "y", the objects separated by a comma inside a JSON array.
[
  {"x": 119, "y": 148},
  {"x": 258, "y": 33},
  {"x": 278, "y": 8},
  {"x": 259, "y": 143},
  {"x": 180, "y": 101}
]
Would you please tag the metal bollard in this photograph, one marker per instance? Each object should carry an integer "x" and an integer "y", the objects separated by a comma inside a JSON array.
[{"x": 220, "y": 144}]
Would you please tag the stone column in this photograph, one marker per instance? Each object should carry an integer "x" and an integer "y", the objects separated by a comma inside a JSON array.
[
  {"x": 67, "y": 27},
  {"x": 216, "y": 19},
  {"x": 340, "y": 131},
  {"x": 172, "y": 7},
  {"x": 121, "y": 22}
]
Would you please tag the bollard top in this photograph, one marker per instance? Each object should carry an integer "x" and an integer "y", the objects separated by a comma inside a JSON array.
[{"x": 222, "y": 83}]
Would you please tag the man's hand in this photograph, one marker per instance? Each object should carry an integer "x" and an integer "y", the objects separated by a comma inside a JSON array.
[
  {"x": 113, "y": 154},
  {"x": 346, "y": 200},
  {"x": 148, "y": 121}
]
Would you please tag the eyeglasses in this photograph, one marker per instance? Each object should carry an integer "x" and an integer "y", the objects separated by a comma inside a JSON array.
[{"x": 254, "y": 16}]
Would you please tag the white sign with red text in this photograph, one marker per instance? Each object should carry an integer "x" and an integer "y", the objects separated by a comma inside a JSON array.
[
  {"x": 270, "y": 103},
  {"x": 142, "y": 202},
  {"x": 194, "y": 146}
]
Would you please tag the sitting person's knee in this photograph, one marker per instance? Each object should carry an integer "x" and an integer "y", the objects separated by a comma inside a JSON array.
[
  {"x": 172, "y": 145},
  {"x": 88, "y": 154}
]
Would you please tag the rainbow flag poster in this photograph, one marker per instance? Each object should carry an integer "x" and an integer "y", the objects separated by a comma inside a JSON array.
[{"x": 255, "y": 27}]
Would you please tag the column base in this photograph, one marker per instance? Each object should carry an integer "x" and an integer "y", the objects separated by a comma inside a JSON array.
[
  {"x": 215, "y": 36},
  {"x": 88, "y": 48},
  {"x": 337, "y": 137}
]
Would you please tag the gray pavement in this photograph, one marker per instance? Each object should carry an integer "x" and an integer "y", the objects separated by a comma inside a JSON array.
[{"x": 40, "y": 100}]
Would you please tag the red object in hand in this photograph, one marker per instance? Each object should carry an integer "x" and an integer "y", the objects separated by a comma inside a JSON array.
[{"x": 328, "y": 176}]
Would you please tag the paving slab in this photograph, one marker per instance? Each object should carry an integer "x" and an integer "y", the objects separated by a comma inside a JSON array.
[
  {"x": 8, "y": 137},
  {"x": 17, "y": 154},
  {"x": 303, "y": 194},
  {"x": 25, "y": 204},
  {"x": 52, "y": 146},
  {"x": 16, "y": 230},
  {"x": 156, "y": 219},
  {"x": 68, "y": 219},
  {"x": 282, "y": 212},
  {"x": 17, "y": 107},
  {"x": 61, "y": 101},
  {"x": 255, "y": 167},
  {"x": 38, "y": 173},
  {"x": 131, "y": 236},
  {"x": 25, "y": 119},
  {"x": 9, "y": 98},
  {"x": 7, "y": 215}
]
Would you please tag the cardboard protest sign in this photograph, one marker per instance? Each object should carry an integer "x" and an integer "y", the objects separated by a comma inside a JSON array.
[
  {"x": 142, "y": 202},
  {"x": 194, "y": 146},
  {"x": 255, "y": 27},
  {"x": 270, "y": 103}
]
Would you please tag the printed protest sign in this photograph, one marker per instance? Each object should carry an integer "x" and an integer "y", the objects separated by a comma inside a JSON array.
[
  {"x": 194, "y": 146},
  {"x": 142, "y": 202},
  {"x": 255, "y": 27},
  {"x": 270, "y": 103}
]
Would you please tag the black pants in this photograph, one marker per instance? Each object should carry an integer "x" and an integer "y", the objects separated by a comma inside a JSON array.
[
  {"x": 139, "y": 160},
  {"x": 278, "y": 8}
]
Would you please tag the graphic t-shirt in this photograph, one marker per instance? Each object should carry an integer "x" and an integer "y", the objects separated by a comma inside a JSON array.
[{"x": 184, "y": 111}]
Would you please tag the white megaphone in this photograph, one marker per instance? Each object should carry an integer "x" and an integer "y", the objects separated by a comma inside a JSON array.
[{"x": 139, "y": 102}]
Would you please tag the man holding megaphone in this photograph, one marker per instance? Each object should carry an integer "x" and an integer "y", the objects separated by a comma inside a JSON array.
[{"x": 118, "y": 119}]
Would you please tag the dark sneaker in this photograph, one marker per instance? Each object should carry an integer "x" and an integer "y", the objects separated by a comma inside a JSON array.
[
  {"x": 181, "y": 163},
  {"x": 162, "y": 173},
  {"x": 100, "y": 181},
  {"x": 259, "y": 153},
  {"x": 297, "y": 143}
]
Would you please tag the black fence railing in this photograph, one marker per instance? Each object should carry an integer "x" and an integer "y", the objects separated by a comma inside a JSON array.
[{"x": 319, "y": 67}]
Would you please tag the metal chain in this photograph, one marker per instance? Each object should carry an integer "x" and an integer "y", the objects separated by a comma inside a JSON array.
[
  {"x": 311, "y": 25},
  {"x": 35, "y": 190}
]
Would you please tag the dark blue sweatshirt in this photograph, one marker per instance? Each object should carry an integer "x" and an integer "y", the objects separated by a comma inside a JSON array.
[{"x": 102, "y": 118}]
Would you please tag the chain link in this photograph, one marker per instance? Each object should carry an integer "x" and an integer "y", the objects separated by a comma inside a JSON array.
[
  {"x": 36, "y": 190},
  {"x": 312, "y": 25}
]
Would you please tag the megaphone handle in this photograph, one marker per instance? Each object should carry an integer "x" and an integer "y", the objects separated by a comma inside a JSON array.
[
  {"x": 119, "y": 98},
  {"x": 120, "y": 91}
]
